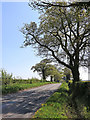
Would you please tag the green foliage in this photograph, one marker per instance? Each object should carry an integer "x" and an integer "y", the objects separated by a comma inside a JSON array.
[
  {"x": 10, "y": 84},
  {"x": 67, "y": 73},
  {"x": 45, "y": 69},
  {"x": 11, "y": 88},
  {"x": 25, "y": 81},
  {"x": 55, "y": 107},
  {"x": 40, "y": 5},
  {"x": 60, "y": 104},
  {"x": 41, "y": 68},
  {"x": 62, "y": 35},
  {"x": 6, "y": 78},
  {"x": 81, "y": 93},
  {"x": 54, "y": 72}
]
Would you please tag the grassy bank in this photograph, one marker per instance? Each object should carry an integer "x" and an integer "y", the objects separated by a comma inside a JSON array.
[
  {"x": 55, "y": 107},
  {"x": 60, "y": 105},
  {"x": 12, "y": 88}
]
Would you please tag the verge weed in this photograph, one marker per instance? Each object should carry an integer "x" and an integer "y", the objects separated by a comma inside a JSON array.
[
  {"x": 12, "y": 88},
  {"x": 55, "y": 106},
  {"x": 60, "y": 105}
]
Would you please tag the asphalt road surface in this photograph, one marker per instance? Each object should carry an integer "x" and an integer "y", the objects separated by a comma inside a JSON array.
[{"x": 25, "y": 103}]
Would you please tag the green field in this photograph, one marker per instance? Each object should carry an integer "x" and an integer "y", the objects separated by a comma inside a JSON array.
[
  {"x": 60, "y": 105},
  {"x": 18, "y": 85}
]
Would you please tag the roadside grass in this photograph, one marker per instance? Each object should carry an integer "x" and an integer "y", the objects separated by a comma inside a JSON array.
[
  {"x": 60, "y": 105},
  {"x": 12, "y": 88},
  {"x": 56, "y": 106}
]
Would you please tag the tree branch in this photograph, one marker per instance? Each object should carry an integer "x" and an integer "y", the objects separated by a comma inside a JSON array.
[
  {"x": 53, "y": 54},
  {"x": 46, "y": 4}
]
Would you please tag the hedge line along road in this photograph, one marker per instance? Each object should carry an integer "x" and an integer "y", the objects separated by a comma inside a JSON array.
[{"x": 25, "y": 103}]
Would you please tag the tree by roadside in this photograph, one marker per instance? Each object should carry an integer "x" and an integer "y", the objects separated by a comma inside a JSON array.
[
  {"x": 41, "y": 68},
  {"x": 45, "y": 69},
  {"x": 67, "y": 74},
  {"x": 62, "y": 35},
  {"x": 54, "y": 73}
]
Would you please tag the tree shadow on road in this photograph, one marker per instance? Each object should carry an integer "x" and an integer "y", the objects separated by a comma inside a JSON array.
[{"x": 24, "y": 102}]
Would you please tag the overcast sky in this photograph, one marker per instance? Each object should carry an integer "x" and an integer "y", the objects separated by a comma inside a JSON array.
[{"x": 18, "y": 60}]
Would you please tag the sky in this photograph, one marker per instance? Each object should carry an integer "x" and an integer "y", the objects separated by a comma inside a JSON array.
[{"x": 18, "y": 60}]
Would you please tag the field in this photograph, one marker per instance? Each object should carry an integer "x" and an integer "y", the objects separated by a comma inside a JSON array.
[{"x": 15, "y": 85}]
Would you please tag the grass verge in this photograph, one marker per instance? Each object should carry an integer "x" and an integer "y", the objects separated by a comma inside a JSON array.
[
  {"x": 12, "y": 88},
  {"x": 60, "y": 105},
  {"x": 55, "y": 107}
]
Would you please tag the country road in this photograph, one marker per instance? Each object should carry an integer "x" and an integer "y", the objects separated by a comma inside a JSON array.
[{"x": 25, "y": 103}]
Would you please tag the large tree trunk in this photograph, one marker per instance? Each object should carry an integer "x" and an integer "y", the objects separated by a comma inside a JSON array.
[
  {"x": 75, "y": 68},
  {"x": 43, "y": 74},
  {"x": 75, "y": 73},
  {"x": 51, "y": 78}
]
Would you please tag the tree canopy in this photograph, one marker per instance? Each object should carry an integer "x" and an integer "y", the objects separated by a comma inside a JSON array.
[
  {"x": 45, "y": 69},
  {"x": 54, "y": 73},
  {"x": 67, "y": 73},
  {"x": 40, "y": 5},
  {"x": 62, "y": 35},
  {"x": 41, "y": 68}
]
